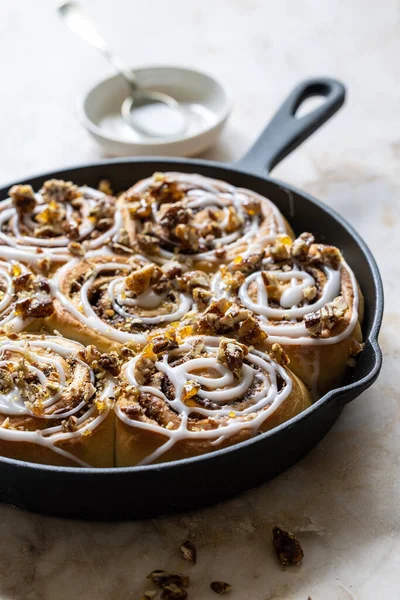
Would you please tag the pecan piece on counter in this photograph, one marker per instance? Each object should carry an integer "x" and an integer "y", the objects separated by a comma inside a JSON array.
[
  {"x": 23, "y": 198},
  {"x": 163, "y": 578},
  {"x": 220, "y": 587},
  {"x": 59, "y": 191},
  {"x": 189, "y": 552},
  {"x": 232, "y": 354},
  {"x": 173, "y": 592},
  {"x": 287, "y": 547}
]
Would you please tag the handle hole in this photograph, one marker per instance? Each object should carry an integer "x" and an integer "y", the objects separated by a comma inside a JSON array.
[{"x": 309, "y": 105}]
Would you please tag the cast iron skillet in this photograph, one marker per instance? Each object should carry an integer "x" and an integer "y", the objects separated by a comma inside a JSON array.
[{"x": 137, "y": 492}]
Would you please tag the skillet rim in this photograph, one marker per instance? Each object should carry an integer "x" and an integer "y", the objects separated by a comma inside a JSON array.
[{"x": 356, "y": 387}]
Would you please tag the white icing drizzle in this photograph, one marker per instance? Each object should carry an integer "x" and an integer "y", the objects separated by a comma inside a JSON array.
[
  {"x": 9, "y": 320},
  {"x": 293, "y": 304},
  {"x": 219, "y": 195},
  {"x": 221, "y": 388},
  {"x": 13, "y": 404},
  {"x": 120, "y": 300},
  {"x": 17, "y": 246}
]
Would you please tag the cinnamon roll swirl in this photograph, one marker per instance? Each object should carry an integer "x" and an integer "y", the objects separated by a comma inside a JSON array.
[
  {"x": 24, "y": 299},
  {"x": 55, "y": 401},
  {"x": 45, "y": 226},
  {"x": 197, "y": 219},
  {"x": 181, "y": 399},
  {"x": 303, "y": 296},
  {"x": 114, "y": 300}
]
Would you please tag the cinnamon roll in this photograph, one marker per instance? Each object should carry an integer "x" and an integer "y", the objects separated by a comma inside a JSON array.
[
  {"x": 55, "y": 401},
  {"x": 197, "y": 219},
  {"x": 114, "y": 300},
  {"x": 24, "y": 299},
  {"x": 303, "y": 296},
  {"x": 181, "y": 399},
  {"x": 49, "y": 226}
]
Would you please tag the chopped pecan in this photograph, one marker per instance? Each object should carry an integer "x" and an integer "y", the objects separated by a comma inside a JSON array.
[
  {"x": 252, "y": 206},
  {"x": 201, "y": 297},
  {"x": 36, "y": 307},
  {"x": 189, "y": 552},
  {"x": 165, "y": 189},
  {"x": 232, "y": 281},
  {"x": 149, "y": 244},
  {"x": 232, "y": 353},
  {"x": 69, "y": 425},
  {"x": 44, "y": 265},
  {"x": 234, "y": 222},
  {"x": 110, "y": 363},
  {"x": 22, "y": 283},
  {"x": 71, "y": 230},
  {"x": 173, "y": 592},
  {"x": 103, "y": 212},
  {"x": 233, "y": 315},
  {"x": 250, "y": 332},
  {"x": 23, "y": 198},
  {"x": 287, "y": 547},
  {"x": 138, "y": 281},
  {"x": 333, "y": 311},
  {"x": 164, "y": 343},
  {"x": 209, "y": 322},
  {"x": 220, "y": 587},
  {"x": 247, "y": 264},
  {"x": 194, "y": 279},
  {"x": 272, "y": 285},
  {"x": 301, "y": 245},
  {"x": 172, "y": 269},
  {"x": 355, "y": 347},
  {"x": 328, "y": 255},
  {"x": 163, "y": 578},
  {"x": 188, "y": 237},
  {"x": 76, "y": 249},
  {"x": 310, "y": 292},
  {"x": 6, "y": 381},
  {"x": 313, "y": 323},
  {"x": 278, "y": 354},
  {"x": 145, "y": 367},
  {"x": 171, "y": 215},
  {"x": 59, "y": 191},
  {"x": 105, "y": 187},
  {"x": 280, "y": 250}
]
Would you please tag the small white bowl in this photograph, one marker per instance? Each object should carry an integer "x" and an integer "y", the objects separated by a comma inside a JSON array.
[{"x": 206, "y": 99}]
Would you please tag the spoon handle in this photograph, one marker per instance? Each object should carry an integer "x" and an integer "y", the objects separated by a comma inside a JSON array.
[{"x": 79, "y": 22}]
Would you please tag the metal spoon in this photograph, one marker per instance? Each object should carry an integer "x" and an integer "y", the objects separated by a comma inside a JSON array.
[{"x": 78, "y": 21}]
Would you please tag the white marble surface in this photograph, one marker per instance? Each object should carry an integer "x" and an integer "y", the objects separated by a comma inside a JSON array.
[{"x": 342, "y": 499}]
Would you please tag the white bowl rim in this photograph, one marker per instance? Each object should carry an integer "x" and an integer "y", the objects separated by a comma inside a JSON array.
[{"x": 99, "y": 132}]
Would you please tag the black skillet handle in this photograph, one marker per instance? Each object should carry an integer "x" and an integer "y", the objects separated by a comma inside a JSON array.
[{"x": 286, "y": 131}]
